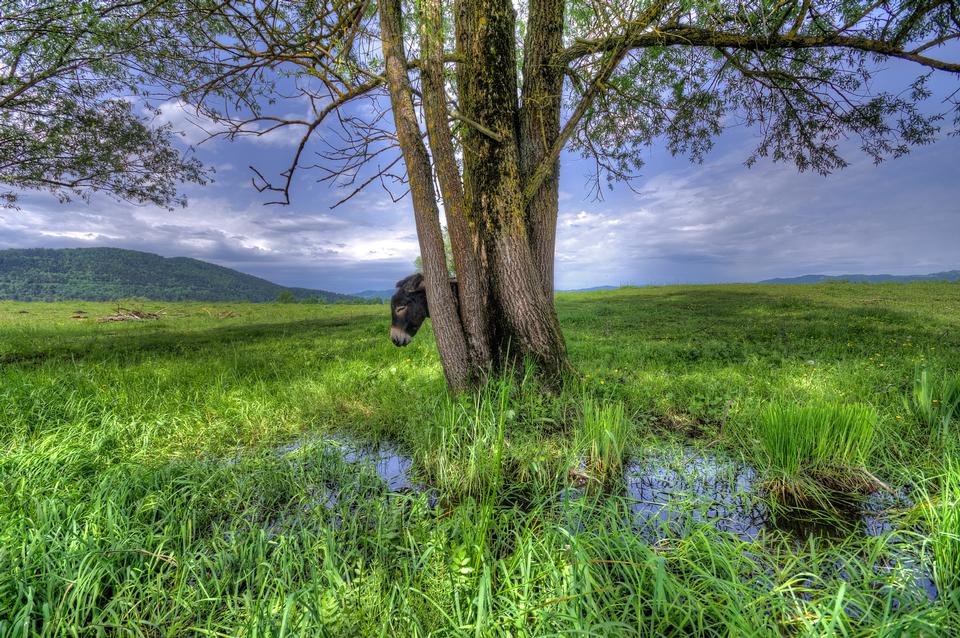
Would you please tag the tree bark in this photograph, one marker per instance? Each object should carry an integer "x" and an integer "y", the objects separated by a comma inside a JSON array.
[
  {"x": 451, "y": 342},
  {"x": 540, "y": 126},
  {"x": 487, "y": 82},
  {"x": 473, "y": 289}
]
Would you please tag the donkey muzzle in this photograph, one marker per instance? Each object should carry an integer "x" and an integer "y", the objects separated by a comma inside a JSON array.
[{"x": 399, "y": 337}]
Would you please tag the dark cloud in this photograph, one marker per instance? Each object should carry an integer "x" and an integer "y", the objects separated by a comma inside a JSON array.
[
  {"x": 688, "y": 223},
  {"x": 723, "y": 222}
]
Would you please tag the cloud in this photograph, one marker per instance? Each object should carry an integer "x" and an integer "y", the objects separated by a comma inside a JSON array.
[
  {"x": 191, "y": 127},
  {"x": 194, "y": 128},
  {"x": 299, "y": 246},
  {"x": 723, "y": 222},
  {"x": 688, "y": 223}
]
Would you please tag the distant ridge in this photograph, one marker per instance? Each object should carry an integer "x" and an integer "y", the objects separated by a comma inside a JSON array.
[
  {"x": 375, "y": 294},
  {"x": 103, "y": 274},
  {"x": 386, "y": 294},
  {"x": 950, "y": 275},
  {"x": 591, "y": 289}
]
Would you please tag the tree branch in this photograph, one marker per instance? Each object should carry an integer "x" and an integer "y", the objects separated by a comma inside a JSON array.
[
  {"x": 617, "y": 53},
  {"x": 697, "y": 37}
]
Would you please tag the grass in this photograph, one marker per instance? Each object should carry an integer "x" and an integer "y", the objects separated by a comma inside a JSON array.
[
  {"x": 941, "y": 513},
  {"x": 604, "y": 433},
  {"x": 817, "y": 445},
  {"x": 463, "y": 448},
  {"x": 144, "y": 490},
  {"x": 936, "y": 406}
]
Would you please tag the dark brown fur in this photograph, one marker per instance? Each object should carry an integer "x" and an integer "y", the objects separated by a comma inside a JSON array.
[{"x": 408, "y": 308}]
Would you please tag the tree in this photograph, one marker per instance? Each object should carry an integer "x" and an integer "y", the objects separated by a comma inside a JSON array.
[
  {"x": 68, "y": 122},
  {"x": 447, "y": 255},
  {"x": 285, "y": 296},
  {"x": 500, "y": 95}
]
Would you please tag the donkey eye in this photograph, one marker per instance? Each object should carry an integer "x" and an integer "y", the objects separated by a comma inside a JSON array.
[{"x": 401, "y": 308}]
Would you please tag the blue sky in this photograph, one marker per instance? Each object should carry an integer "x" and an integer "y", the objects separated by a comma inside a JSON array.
[{"x": 714, "y": 222}]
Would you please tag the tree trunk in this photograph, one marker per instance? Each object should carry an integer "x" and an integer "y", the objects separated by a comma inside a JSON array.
[
  {"x": 525, "y": 319},
  {"x": 473, "y": 289},
  {"x": 506, "y": 299},
  {"x": 443, "y": 309},
  {"x": 540, "y": 127}
]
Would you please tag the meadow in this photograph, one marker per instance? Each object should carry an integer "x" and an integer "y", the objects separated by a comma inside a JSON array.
[{"x": 737, "y": 460}]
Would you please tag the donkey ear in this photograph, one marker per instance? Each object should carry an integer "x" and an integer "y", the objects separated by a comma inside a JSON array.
[{"x": 413, "y": 283}]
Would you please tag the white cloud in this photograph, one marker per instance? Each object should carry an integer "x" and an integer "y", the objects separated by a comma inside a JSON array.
[
  {"x": 297, "y": 244},
  {"x": 713, "y": 222},
  {"x": 192, "y": 127}
]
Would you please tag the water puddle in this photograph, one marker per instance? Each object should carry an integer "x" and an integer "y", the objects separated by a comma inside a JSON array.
[
  {"x": 346, "y": 482},
  {"x": 384, "y": 460},
  {"x": 669, "y": 493}
]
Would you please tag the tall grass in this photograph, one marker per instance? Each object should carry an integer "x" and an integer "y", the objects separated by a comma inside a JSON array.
[
  {"x": 941, "y": 511},
  {"x": 142, "y": 491},
  {"x": 462, "y": 449},
  {"x": 820, "y": 445},
  {"x": 603, "y": 435},
  {"x": 935, "y": 404}
]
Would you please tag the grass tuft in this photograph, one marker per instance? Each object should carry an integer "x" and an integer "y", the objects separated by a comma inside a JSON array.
[
  {"x": 463, "y": 449},
  {"x": 811, "y": 450},
  {"x": 935, "y": 405},
  {"x": 604, "y": 435}
]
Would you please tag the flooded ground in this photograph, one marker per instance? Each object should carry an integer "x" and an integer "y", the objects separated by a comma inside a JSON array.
[
  {"x": 668, "y": 493},
  {"x": 382, "y": 460},
  {"x": 670, "y": 490}
]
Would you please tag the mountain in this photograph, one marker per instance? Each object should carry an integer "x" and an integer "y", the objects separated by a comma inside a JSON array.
[
  {"x": 101, "y": 274},
  {"x": 375, "y": 294},
  {"x": 950, "y": 275},
  {"x": 591, "y": 289}
]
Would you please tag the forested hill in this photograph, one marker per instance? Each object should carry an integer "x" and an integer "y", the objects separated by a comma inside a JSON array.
[{"x": 102, "y": 274}]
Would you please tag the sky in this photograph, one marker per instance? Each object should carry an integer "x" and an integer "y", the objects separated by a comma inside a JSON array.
[{"x": 718, "y": 221}]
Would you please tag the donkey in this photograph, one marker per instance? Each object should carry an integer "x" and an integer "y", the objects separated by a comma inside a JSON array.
[{"x": 408, "y": 308}]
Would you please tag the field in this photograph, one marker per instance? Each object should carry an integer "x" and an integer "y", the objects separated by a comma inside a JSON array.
[{"x": 731, "y": 461}]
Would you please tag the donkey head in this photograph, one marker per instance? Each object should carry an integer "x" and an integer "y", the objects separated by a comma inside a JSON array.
[{"x": 408, "y": 309}]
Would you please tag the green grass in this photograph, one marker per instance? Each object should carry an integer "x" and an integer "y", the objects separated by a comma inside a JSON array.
[
  {"x": 604, "y": 433},
  {"x": 813, "y": 445},
  {"x": 935, "y": 404},
  {"x": 463, "y": 447},
  {"x": 941, "y": 513},
  {"x": 143, "y": 490}
]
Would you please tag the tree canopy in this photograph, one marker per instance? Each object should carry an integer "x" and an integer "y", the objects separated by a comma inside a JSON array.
[
  {"x": 634, "y": 74},
  {"x": 72, "y": 75}
]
